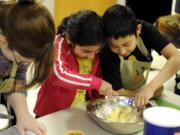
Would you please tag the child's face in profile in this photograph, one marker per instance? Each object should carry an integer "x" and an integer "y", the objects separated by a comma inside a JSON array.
[
  {"x": 123, "y": 46},
  {"x": 88, "y": 51}
]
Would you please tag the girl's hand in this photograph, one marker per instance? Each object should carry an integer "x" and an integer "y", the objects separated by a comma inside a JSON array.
[
  {"x": 106, "y": 89},
  {"x": 28, "y": 123},
  {"x": 142, "y": 98}
]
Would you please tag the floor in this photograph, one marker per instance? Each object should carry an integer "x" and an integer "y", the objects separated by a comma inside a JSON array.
[{"x": 157, "y": 64}]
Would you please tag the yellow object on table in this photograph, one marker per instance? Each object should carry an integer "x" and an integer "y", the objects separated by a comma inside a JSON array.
[{"x": 75, "y": 132}]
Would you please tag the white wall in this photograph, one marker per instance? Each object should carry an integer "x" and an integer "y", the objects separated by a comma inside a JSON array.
[
  {"x": 121, "y": 2},
  {"x": 50, "y": 5},
  {"x": 175, "y": 8}
]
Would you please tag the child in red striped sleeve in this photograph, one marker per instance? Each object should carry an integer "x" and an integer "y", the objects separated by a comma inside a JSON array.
[{"x": 76, "y": 75}]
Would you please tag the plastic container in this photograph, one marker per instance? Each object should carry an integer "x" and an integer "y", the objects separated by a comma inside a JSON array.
[{"x": 161, "y": 121}]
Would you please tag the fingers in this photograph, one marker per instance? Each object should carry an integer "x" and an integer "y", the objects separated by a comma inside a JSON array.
[
  {"x": 40, "y": 130},
  {"x": 43, "y": 129},
  {"x": 108, "y": 93},
  {"x": 37, "y": 131},
  {"x": 20, "y": 130},
  {"x": 107, "y": 90},
  {"x": 146, "y": 101},
  {"x": 114, "y": 93},
  {"x": 141, "y": 100},
  {"x": 111, "y": 93}
]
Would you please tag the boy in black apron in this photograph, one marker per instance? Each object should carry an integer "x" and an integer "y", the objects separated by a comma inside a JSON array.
[{"x": 126, "y": 59}]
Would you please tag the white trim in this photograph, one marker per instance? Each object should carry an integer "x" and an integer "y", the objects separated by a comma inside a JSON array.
[
  {"x": 61, "y": 68},
  {"x": 68, "y": 74},
  {"x": 68, "y": 81}
]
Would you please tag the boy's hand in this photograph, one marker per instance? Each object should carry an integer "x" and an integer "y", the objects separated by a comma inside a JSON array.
[
  {"x": 28, "y": 123},
  {"x": 106, "y": 89},
  {"x": 142, "y": 98}
]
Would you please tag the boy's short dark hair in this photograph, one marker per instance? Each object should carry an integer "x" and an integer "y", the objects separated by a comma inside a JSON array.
[{"x": 119, "y": 21}]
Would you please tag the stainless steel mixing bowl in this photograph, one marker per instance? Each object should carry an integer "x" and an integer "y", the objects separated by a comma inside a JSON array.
[{"x": 99, "y": 108}]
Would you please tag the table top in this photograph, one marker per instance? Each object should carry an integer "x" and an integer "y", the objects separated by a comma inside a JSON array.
[
  {"x": 72, "y": 119},
  {"x": 78, "y": 119},
  {"x": 69, "y": 119}
]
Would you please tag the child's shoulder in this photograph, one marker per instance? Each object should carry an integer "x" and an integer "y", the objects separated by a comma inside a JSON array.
[
  {"x": 61, "y": 44},
  {"x": 59, "y": 38},
  {"x": 146, "y": 26},
  {"x": 59, "y": 41}
]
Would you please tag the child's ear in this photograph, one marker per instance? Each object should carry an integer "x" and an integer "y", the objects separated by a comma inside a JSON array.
[
  {"x": 138, "y": 29},
  {"x": 68, "y": 39}
]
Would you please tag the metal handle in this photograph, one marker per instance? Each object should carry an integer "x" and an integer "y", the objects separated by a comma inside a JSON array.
[{"x": 6, "y": 116}]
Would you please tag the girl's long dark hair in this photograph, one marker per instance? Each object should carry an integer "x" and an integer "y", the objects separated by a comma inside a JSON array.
[{"x": 83, "y": 28}]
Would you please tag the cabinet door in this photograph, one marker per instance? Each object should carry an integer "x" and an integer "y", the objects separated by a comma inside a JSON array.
[{"x": 66, "y": 7}]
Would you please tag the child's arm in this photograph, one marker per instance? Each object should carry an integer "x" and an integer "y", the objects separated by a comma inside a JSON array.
[
  {"x": 126, "y": 92},
  {"x": 132, "y": 93},
  {"x": 24, "y": 120},
  {"x": 169, "y": 69},
  {"x": 73, "y": 80},
  {"x": 68, "y": 78}
]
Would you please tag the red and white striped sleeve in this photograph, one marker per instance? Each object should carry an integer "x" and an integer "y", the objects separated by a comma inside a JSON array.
[{"x": 70, "y": 79}]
